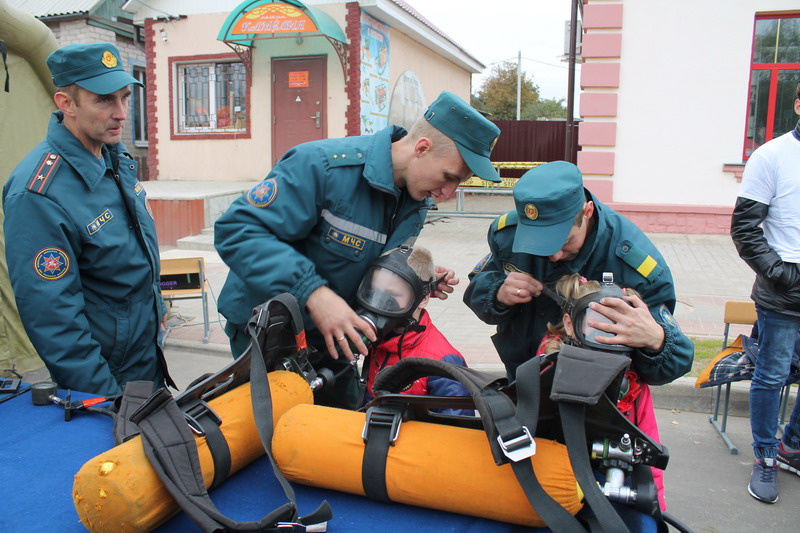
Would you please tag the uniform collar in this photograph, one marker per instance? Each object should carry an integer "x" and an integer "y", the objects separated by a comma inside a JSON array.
[
  {"x": 599, "y": 227},
  {"x": 378, "y": 169},
  {"x": 70, "y": 148}
]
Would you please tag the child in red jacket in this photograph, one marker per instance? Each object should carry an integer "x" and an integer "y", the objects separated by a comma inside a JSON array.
[{"x": 415, "y": 336}]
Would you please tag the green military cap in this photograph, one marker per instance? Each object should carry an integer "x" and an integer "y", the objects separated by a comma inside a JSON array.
[
  {"x": 547, "y": 198},
  {"x": 473, "y": 134},
  {"x": 96, "y": 67}
]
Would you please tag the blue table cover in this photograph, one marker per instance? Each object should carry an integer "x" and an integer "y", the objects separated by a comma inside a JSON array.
[{"x": 41, "y": 453}]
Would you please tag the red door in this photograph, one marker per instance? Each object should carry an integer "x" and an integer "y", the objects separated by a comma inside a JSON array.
[{"x": 298, "y": 102}]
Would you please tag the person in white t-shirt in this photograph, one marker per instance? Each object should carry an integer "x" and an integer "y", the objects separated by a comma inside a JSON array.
[{"x": 765, "y": 228}]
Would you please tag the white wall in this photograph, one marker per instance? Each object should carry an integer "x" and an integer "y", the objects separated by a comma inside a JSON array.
[{"x": 684, "y": 79}]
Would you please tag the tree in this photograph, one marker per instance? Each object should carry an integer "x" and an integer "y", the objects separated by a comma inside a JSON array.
[
  {"x": 547, "y": 108},
  {"x": 498, "y": 92}
]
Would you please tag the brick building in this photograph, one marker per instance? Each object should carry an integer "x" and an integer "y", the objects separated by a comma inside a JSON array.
[{"x": 85, "y": 21}]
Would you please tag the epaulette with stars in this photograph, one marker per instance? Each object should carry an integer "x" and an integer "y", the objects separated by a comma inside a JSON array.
[
  {"x": 346, "y": 157},
  {"x": 45, "y": 172}
]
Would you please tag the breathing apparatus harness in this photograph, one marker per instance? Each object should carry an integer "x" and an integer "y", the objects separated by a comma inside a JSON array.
[
  {"x": 567, "y": 401},
  {"x": 168, "y": 425}
]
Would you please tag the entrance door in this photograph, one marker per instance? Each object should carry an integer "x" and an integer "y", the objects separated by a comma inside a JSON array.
[{"x": 298, "y": 102}]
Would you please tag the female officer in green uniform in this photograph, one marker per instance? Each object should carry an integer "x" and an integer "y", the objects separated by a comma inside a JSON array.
[
  {"x": 329, "y": 208},
  {"x": 560, "y": 228},
  {"x": 81, "y": 241}
]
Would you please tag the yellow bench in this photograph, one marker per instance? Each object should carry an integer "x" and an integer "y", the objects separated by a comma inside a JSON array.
[
  {"x": 475, "y": 185},
  {"x": 507, "y": 183}
]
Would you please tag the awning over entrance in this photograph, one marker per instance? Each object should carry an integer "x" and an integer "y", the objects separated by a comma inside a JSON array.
[{"x": 274, "y": 19}]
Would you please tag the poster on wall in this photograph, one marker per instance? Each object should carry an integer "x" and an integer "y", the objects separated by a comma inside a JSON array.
[{"x": 374, "y": 75}]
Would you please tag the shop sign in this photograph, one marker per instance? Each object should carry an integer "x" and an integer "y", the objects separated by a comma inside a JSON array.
[{"x": 273, "y": 18}]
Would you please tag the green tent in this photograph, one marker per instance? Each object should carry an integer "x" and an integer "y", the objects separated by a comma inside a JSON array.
[{"x": 25, "y": 109}]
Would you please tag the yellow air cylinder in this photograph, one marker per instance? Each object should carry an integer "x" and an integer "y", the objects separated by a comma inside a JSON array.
[
  {"x": 431, "y": 465},
  {"x": 119, "y": 492}
]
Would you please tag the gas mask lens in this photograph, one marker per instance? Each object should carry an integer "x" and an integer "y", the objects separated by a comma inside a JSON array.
[
  {"x": 581, "y": 315},
  {"x": 386, "y": 292},
  {"x": 590, "y": 333}
]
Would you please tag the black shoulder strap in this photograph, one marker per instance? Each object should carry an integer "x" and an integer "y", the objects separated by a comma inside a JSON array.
[
  {"x": 580, "y": 379},
  {"x": 172, "y": 450},
  {"x": 134, "y": 395},
  {"x": 527, "y": 414}
]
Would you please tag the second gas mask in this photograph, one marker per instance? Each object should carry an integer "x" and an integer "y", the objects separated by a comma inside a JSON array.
[{"x": 391, "y": 291}]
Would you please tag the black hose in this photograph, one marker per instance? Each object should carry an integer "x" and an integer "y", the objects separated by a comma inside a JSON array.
[{"x": 674, "y": 522}]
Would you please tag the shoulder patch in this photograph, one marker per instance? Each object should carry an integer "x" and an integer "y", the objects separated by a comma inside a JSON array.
[
  {"x": 264, "y": 193},
  {"x": 51, "y": 264},
  {"x": 45, "y": 172},
  {"x": 482, "y": 264},
  {"x": 667, "y": 317},
  {"x": 639, "y": 260},
  {"x": 505, "y": 220},
  {"x": 346, "y": 157}
]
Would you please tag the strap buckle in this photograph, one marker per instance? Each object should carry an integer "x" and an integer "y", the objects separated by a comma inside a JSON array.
[
  {"x": 301, "y": 528},
  {"x": 290, "y": 527},
  {"x": 381, "y": 416},
  {"x": 519, "y": 447},
  {"x": 199, "y": 409}
]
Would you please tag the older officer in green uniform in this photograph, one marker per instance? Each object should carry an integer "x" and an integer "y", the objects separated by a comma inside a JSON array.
[
  {"x": 558, "y": 228},
  {"x": 329, "y": 208},
  {"x": 81, "y": 241}
]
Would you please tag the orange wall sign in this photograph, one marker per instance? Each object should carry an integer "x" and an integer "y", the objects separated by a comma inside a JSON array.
[
  {"x": 273, "y": 18},
  {"x": 298, "y": 78}
]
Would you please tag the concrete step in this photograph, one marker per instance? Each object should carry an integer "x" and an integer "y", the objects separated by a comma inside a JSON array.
[{"x": 204, "y": 241}]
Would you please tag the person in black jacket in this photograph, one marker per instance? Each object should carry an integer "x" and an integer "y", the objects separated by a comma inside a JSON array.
[{"x": 765, "y": 228}]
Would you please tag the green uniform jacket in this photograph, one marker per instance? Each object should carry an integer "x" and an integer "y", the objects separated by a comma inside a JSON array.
[
  {"x": 84, "y": 264},
  {"x": 615, "y": 245},
  {"x": 324, "y": 213}
]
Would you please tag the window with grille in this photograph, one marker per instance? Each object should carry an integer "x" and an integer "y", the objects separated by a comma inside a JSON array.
[
  {"x": 212, "y": 97},
  {"x": 139, "y": 97}
]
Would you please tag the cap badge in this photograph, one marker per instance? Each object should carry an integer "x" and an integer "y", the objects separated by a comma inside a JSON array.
[
  {"x": 531, "y": 212},
  {"x": 109, "y": 59}
]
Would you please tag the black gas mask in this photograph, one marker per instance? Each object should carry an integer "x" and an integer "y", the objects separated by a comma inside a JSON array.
[
  {"x": 580, "y": 314},
  {"x": 586, "y": 336},
  {"x": 390, "y": 292}
]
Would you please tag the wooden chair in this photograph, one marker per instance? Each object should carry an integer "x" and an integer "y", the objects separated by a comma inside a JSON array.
[
  {"x": 740, "y": 313},
  {"x": 735, "y": 313},
  {"x": 183, "y": 279}
]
